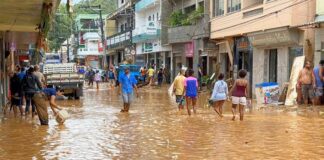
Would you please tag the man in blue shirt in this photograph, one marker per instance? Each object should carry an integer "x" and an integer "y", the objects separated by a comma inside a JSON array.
[{"x": 127, "y": 85}]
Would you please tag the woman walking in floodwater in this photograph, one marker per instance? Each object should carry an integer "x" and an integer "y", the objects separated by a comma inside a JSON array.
[
  {"x": 219, "y": 95},
  {"x": 191, "y": 91},
  {"x": 239, "y": 93}
]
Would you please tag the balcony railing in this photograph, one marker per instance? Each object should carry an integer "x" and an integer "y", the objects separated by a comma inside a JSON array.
[
  {"x": 143, "y": 4},
  {"x": 119, "y": 39}
]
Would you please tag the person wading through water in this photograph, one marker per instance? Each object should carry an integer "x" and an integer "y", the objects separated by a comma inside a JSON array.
[
  {"x": 127, "y": 85},
  {"x": 306, "y": 80},
  {"x": 31, "y": 84},
  {"x": 41, "y": 98}
]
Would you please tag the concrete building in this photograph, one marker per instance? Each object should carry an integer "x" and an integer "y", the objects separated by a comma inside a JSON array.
[
  {"x": 262, "y": 36},
  {"x": 319, "y": 32},
  {"x": 147, "y": 35},
  {"x": 90, "y": 49},
  {"x": 120, "y": 25},
  {"x": 22, "y": 38},
  {"x": 189, "y": 35}
]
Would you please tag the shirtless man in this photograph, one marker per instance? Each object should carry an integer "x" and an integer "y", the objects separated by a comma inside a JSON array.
[{"x": 306, "y": 80}]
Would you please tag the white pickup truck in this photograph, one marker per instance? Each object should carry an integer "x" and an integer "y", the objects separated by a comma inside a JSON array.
[{"x": 66, "y": 76}]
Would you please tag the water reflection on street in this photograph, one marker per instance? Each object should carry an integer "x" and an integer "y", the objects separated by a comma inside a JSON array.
[{"x": 155, "y": 130}]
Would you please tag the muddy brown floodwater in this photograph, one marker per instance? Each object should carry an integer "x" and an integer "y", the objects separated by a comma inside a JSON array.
[{"x": 155, "y": 130}]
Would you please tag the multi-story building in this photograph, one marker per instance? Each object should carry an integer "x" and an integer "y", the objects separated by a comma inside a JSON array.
[
  {"x": 90, "y": 49},
  {"x": 147, "y": 34},
  {"x": 120, "y": 25},
  {"x": 319, "y": 32},
  {"x": 188, "y": 34},
  {"x": 262, "y": 36}
]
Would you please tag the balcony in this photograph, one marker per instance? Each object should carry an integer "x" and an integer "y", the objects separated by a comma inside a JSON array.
[
  {"x": 184, "y": 34},
  {"x": 119, "y": 40},
  {"x": 146, "y": 32},
  {"x": 142, "y": 4}
]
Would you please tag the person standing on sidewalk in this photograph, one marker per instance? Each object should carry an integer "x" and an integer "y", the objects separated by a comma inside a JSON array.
[
  {"x": 31, "y": 85},
  {"x": 219, "y": 95},
  {"x": 239, "y": 93},
  {"x": 191, "y": 91},
  {"x": 306, "y": 80},
  {"x": 127, "y": 85},
  {"x": 319, "y": 78},
  {"x": 178, "y": 89}
]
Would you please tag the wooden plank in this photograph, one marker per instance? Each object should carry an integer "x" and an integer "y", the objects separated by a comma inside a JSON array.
[{"x": 292, "y": 87}]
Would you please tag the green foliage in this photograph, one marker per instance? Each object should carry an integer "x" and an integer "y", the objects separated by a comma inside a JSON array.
[
  {"x": 177, "y": 18},
  {"x": 63, "y": 24}
]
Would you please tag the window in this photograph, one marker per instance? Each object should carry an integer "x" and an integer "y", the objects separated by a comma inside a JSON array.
[
  {"x": 157, "y": 16},
  {"x": 122, "y": 1},
  {"x": 125, "y": 26},
  {"x": 233, "y": 5},
  {"x": 122, "y": 28},
  {"x": 153, "y": 17},
  {"x": 149, "y": 18},
  {"x": 218, "y": 7},
  {"x": 293, "y": 53},
  {"x": 273, "y": 54}
]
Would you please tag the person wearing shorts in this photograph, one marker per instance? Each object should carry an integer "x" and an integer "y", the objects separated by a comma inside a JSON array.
[
  {"x": 219, "y": 95},
  {"x": 16, "y": 93},
  {"x": 127, "y": 85},
  {"x": 319, "y": 81},
  {"x": 191, "y": 91},
  {"x": 239, "y": 93},
  {"x": 178, "y": 89}
]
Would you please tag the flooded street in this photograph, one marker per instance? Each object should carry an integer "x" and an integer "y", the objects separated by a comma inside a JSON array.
[{"x": 155, "y": 130}]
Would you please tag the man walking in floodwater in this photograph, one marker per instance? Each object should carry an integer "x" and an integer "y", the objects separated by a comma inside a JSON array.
[
  {"x": 306, "y": 81},
  {"x": 127, "y": 84},
  {"x": 319, "y": 78}
]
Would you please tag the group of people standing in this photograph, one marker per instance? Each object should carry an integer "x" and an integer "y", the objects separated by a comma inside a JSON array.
[
  {"x": 29, "y": 86},
  {"x": 151, "y": 75},
  {"x": 97, "y": 77},
  {"x": 185, "y": 88}
]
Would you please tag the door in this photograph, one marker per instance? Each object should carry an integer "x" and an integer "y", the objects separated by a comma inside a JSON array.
[
  {"x": 273, "y": 61},
  {"x": 243, "y": 61}
]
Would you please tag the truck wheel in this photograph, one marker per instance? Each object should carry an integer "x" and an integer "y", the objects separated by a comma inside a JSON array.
[{"x": 78, "y": 93}]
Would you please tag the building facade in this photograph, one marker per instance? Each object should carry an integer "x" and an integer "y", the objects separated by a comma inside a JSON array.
[
  {"x": 90, "y": 49},
  {"x": 189, "y": 36},
  {"x": 262, "y": 36},
  {"x": 120, "y": 26},
  {"x": 319, "y": 32},
  {"x": 147, "y": 34}
]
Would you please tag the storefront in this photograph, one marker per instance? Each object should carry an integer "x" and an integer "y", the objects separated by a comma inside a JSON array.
[{"x": 274, "y": 52}]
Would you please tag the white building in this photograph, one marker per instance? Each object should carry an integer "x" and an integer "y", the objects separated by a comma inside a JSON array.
[
  {"x": 147, "y": 34},
  {"x": 92, "y": 52}
]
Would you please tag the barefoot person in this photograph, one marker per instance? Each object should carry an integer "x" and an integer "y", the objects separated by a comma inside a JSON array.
[
  {"x": 219, "y": 95},
  {"x": 178, "y": 89},
  {"x": 191, "y": 91},
  {"x": 306, "y": 81},
  {"x": 239, "y": 93},
  {"x": 319, "y": 78},
  {"x": 41, "y": 104},
  {"x": 127, "y": 85}
]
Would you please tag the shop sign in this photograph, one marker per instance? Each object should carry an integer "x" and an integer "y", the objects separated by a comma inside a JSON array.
[
  {"x": 151, "y": 28},
  {"x": 189, "y": 49},
  {"x": 243, "y": 43},
  {"x": 147, "y": 47},
  {"x": 92, "y": 58},
  {"x": 274, "y": 38}
]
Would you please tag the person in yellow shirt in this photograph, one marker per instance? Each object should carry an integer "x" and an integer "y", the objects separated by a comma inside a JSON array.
[
  {"x": 150, "y": 73},
  {"x": 178, "y": 88}
]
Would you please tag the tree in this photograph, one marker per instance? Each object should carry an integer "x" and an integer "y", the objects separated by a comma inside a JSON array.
[{"x": 63, "y": 23}]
